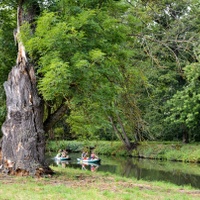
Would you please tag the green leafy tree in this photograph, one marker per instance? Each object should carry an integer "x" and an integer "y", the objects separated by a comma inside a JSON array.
[
  {"x": 169, "y": 34},
  {"x": 7, "y": 49},
  {"x": 184, "y": 107},
  {"x": 84, "y": 58}
]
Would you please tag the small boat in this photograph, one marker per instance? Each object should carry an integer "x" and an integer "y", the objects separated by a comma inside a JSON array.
[
  {"x": 96, "y": 160},
  {"x": 62, "y": 158}
]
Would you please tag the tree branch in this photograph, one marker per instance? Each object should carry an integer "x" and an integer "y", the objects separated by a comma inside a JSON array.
[{"x": 54, "y": 117}]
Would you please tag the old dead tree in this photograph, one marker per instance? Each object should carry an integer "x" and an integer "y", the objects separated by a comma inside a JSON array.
[{"x": 23, "y": 144}]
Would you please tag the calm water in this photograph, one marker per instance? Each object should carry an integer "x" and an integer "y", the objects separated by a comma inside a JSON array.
[{"x": 151, "y": 170}]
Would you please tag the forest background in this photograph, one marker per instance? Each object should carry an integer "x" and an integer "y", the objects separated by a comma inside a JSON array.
[{"x": 125, "y": 70}]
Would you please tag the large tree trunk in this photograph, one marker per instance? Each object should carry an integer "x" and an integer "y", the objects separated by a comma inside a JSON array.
[{"x": 23, "y": 145}]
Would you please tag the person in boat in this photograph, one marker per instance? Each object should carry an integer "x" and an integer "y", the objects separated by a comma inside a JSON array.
[
  {"x": 65, "y": 154},
  {"x": 59, "y": 153},
  {"x": 93, "y": 156},
  {"x": 84, "y": 155}
]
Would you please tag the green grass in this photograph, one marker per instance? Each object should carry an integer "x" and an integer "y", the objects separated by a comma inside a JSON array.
[
  {"x": 169, "y": 151},
  {"x": 101, "y": 147},
  {"x": 75, "y": 184}
]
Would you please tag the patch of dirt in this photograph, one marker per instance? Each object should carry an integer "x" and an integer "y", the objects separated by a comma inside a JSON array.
[
  {"x": 109, "y": 183},
  {"x": 7, "y": 179}
]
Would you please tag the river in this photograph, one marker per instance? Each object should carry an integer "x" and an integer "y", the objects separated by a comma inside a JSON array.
[{"x": 151, "y": 170}]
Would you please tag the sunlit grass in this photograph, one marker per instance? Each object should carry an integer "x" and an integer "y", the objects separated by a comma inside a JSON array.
[{"x": 75, "y": 184}]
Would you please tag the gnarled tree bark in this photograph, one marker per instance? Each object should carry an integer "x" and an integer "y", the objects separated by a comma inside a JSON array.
[{"x": 23, "y": 145}]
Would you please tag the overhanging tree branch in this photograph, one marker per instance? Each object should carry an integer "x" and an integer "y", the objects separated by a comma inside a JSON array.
[{"x": 55, "y": 117}]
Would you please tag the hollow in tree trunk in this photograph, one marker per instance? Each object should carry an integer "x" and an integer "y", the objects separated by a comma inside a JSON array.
[{"x": 23, "y": 144}]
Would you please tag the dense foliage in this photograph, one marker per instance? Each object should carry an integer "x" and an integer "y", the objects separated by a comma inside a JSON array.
[
  {"x": 7, "y": 50},
  {"x": 125, "y": 69}
]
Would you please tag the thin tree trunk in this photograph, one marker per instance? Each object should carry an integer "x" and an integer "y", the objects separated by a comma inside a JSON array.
[
  {"x": 23, "y": 146},
  {"x": 185, "y": 136},
  {"x": 128, "y": 144},
  {"x": 117, "y": 132}
]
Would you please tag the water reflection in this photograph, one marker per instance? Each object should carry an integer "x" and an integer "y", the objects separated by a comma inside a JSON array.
[
  {"x": 151, "y": 170},
  {"x": 63, "y": 163},
  {"x": 89, "y": 166},
  {"x": 154, "y": 170}
]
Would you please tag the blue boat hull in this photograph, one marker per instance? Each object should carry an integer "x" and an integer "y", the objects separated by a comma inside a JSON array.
[
  {"x": 62, "y": 158},
  {"x": 89, "y": 160}
]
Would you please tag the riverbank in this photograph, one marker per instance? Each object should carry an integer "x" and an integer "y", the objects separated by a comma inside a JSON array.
[
  {"x": 74, "y": 184},
  {"x": 169, "y": 151},
  {"x": 172, "y": 151}
]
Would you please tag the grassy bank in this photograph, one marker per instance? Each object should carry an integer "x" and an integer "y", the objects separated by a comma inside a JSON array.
[
  {"x": 153, "y": 150},
  {"x": 101, "y": 147},
  {"x": 75, "y": 184},
  {"x": 169, "y": 151}
]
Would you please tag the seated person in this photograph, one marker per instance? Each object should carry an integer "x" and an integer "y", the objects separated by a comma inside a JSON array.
[
  {"x": 65, "y": 154},
  {"x": 59, "y": 153},
  {"x": 84, "y": 155},
  {"x": 93, "y": 156}
]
